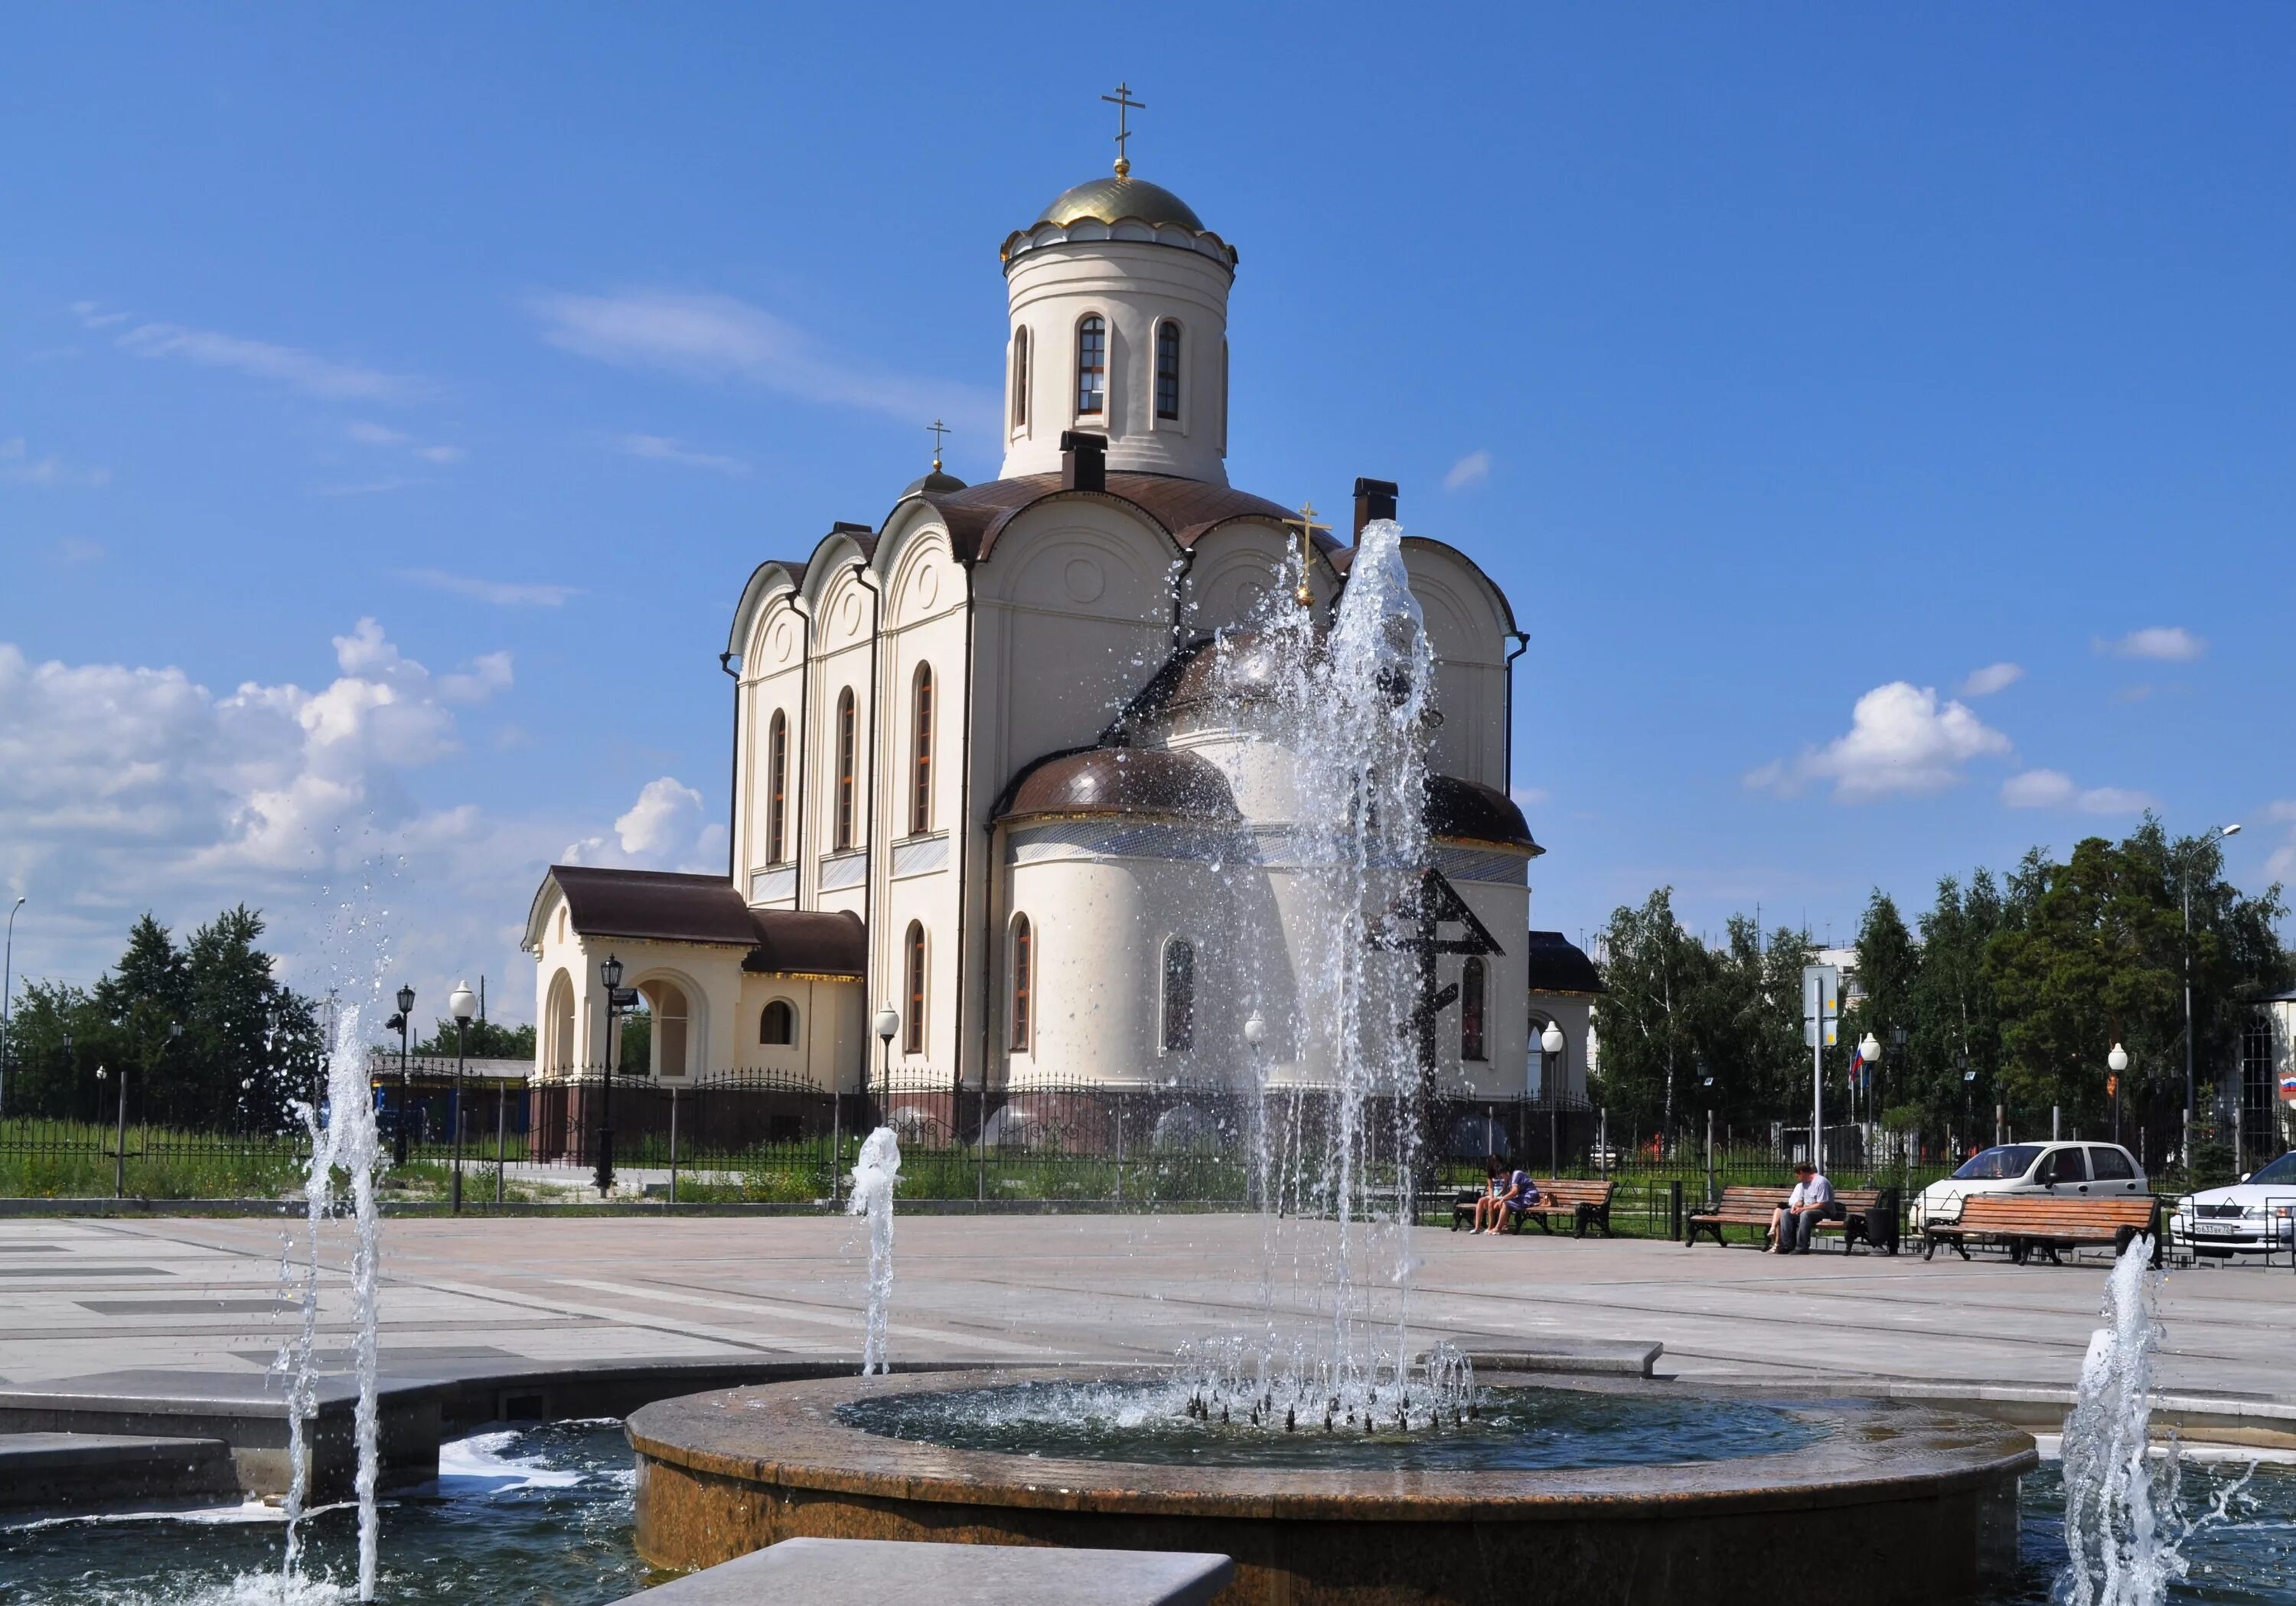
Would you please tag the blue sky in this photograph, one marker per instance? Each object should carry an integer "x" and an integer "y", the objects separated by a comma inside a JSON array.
[{"x": 393, "y": 399}]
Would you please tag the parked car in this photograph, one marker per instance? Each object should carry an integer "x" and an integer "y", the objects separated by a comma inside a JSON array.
[
  {"x": 2253, "y": 1216},
  {"x": 2093, "y": 1170}
]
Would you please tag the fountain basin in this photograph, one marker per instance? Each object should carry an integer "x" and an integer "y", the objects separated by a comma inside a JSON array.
[{"x": 1878, "y": 1502}]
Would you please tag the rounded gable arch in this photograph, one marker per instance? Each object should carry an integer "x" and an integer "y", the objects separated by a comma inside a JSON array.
[{"x": 1100, "y": 558}]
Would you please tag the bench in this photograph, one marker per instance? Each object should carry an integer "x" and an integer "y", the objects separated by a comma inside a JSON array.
[
  {"x": 1869, "y": 1215},
  {"x": 1587, "y": 1203},
  {"x": 2026, "y": 1222}
]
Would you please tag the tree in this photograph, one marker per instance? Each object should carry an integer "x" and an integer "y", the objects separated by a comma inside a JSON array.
[
  {"x": 1654, "y": 973},
  {"x": 1889, "y": 979},
  {"x": 488, "y": 1041}
]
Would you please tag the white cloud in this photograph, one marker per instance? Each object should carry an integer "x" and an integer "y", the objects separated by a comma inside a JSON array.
[
  {"x": 18, "y": 463},
  {"x": 302, "y": 370},
  {"x": 662, "y": 449},
  {"x": 1469, "y": 470},
  {"x": 501, "y": 592},
  {"x": 380, "y": 435},
  {"x": 1994, "y": 677},
  {"x": 2168, "y": 643},
  {"x": 93, "y": 315},
  {"x": 717, "y": 337},
  {"x": 80, "y": 549},
  {"x": 2054, "y": 789},
  {"x": 1900, "y": 740},
  {"x": 1529, "y": 797},
  {"x": 667, "y": 828},
  {"x": 2281, "y": 865}
]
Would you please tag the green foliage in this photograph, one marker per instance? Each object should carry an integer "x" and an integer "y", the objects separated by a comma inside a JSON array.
[{"x": 486, "y": 1040}]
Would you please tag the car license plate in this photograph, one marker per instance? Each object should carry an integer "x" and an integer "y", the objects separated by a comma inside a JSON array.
[{"x": 2215, "y": 1229}]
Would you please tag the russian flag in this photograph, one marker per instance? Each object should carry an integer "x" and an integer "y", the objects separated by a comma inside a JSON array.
[{"x": 1857, "y": 1067}]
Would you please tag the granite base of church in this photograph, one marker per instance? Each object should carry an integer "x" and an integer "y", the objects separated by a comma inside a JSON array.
[{"x": 1899, "y": 1504}]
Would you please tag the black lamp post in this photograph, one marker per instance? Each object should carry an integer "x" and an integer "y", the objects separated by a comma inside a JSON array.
[
  {"x": 618, "y": 999},
  {"x": 464, "y": 1003},
  {"x": 401, "y": 1020}
]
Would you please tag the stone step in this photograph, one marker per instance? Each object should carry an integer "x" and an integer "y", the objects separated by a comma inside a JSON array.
[
  {"x": 870, "y": 1572},
  {"x": 106, "y": 1469}
]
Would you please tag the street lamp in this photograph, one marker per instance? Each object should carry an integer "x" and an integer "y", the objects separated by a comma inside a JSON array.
[
  {"x": 887, "y": 1023},
  {"x": 402, "y": 1020},
  {"x": 1550, "y": 1047},
  {"x": 464, "y": 1004},
  {"x": 2116, "y": 1062},
  {"x": 7, "y": 997},
  {"x": 618, "y": 999},
  {"x": 2185, "y": 890}
]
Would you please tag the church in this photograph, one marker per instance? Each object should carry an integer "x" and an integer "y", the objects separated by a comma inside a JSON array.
[{"x": 982, "y": 807}]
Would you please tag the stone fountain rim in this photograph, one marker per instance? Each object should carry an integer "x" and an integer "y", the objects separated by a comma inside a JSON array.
[{"x": 787, "y": 1435}]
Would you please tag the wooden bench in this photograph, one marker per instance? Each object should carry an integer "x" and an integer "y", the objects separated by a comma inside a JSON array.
[
  {"x": 1869, "y": 1215},
  {"x": 1587, "y": 1203},
  {"x": 2047, "y": 1222}
]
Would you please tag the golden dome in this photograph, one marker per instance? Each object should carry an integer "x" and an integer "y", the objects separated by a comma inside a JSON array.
[{"x": 1116, "y": 197}]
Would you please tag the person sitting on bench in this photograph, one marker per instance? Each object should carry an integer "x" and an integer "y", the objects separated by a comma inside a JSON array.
[
  {"x": 1796, "y": 1220},
  {"x": 1506, "y": 1201}
]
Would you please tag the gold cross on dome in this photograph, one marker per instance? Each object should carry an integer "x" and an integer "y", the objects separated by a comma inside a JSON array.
[
  {"x": 937, "y": 428},
  {"x": 1307, "y": 526},
  {"x": 1125, "y": 104}
]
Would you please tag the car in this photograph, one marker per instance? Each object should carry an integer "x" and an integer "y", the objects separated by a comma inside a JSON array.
[
  {"x": 2256, "y": 1216},
  {"x": 2081, "y": 1170}
]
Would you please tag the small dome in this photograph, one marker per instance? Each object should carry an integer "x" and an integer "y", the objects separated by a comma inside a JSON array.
[
  {"x": 1116, "y": 197},
  {"x": 933, "y": 484},
  {"x": 1121, "y": 780}
]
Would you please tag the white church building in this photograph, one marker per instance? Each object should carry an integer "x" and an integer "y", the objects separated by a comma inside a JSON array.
[{"x": 973, "y": 779}]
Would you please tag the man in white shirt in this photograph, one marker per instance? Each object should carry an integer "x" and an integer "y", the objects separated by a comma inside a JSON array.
[{"x": 1810, "y": 1203}]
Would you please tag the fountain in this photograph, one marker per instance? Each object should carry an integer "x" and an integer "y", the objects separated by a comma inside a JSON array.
[
  {"x": 875, "y": 1175},
  {"x": 1357, "y": 1467}
]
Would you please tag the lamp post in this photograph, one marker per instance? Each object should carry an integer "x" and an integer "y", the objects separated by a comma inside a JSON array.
[
  {"x": 119, "y": 1138},
  {"x": 402, "y": 1020},
  {"x": 464, "y": 1003},
  {"x": 7, "y": 1001},
  {"x": 1869, "y": 1048},
  {"x": 2116, "y": 1062},
  {"x": 2185, "y": 892},
  {"x": 618, "y": 999},
  {"x": 1968, "y": 1077},
  {"x": 1551, "y": 1044},
  {"x": 888, "y": 1025}
]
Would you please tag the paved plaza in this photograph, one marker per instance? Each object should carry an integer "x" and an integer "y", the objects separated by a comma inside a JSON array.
[{"x": 85, "y": 1297}]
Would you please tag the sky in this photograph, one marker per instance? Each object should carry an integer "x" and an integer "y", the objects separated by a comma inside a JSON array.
[{"x": 1881, "y": 420}]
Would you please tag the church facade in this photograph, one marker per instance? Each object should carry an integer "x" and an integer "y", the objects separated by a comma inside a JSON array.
[{"x": 975, "y": 780}]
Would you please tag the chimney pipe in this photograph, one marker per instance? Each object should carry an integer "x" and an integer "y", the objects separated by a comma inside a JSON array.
[
  {"x": 1374, "y": 499},
  {"x": 1084, "y": 460}
]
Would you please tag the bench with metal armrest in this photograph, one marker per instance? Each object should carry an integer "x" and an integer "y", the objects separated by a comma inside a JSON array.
[
  {"x": 1866, "y": 1215},
  {"x": 2023, "y": 1223},
  {"x": 1585, "y": 1204}
]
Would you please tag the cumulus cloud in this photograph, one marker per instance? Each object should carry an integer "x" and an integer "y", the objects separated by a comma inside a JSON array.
[
  {"x": 1994, "y": 677},
  {"x": 19, "y": 465},
  {"x": 504, "y": 593},
  {"x": 2167, "y": 642},
  {"x": 300, "y": 370},
  {"x": 1470, "y": 470},
  {"x": 662, "y": 449},
  {"x": 718, "y": 337},
  {"x": 667, "y": 828},
  {"x": 1900, "y": 740},
  {"x": 2054, "y": 789},
  {"x": 2281, "y": 865}
]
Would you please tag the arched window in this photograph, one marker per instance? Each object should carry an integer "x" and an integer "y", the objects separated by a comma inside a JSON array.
[
  {"x": 559, "y": 1037},
  {"x": 1024, "y": 982},
  {"x": 1020, "y": 378},
  {"x": 921, "y": 751},
  {"x": 669, "y": 1021},
  {"x": 1179, "y": 995},
  {"x": 847, "y": 732},
  {"x": 1092, "y": 365},
  {"x": 912, "y": 966},
  {"x": 777, "y": 788},
  {"x": 1473, "y": 987},
  {"x": 1168, "y": 369},
  {"x": 777, "y": 1026},
  {"x": 561, "y": 922}
]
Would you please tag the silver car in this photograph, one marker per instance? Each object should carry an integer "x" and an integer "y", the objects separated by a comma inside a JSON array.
[
  {"x": 2253, "y": 1216},
  {"x": 2079, "y": 1170}
]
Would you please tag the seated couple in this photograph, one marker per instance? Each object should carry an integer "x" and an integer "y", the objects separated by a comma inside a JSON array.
[
  {"x": 1507, "y": 1195},
  {"x": 1795, "y": 1222}
]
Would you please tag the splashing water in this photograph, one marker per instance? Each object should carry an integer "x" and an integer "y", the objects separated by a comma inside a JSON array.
[
  {"x": 343, "y": 1139},
  {"x": 875, "y": 1175}
]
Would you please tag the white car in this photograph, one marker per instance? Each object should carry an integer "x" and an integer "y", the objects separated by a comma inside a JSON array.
[
  {"x": 2253, "y": 1216},
  {"x": 2066, "y": 1169}
]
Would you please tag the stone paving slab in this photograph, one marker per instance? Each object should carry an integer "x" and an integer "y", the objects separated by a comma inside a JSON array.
[
  {"x": 59, "y": 1469},
  {"x": 874, "y": 1572}
]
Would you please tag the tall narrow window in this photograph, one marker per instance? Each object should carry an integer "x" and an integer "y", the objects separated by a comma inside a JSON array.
[
  {"x": 1472, "y": 984},
  {"x": 1024, "y": 981},
  {"x": 912, "y": 964},
  {"x": 777, "y": 1026},
  {"x": 669, "y": 1023},
  {"x": 1020, "y": 378},
  {"x": 1092, "y": 365},
  {"x": 1168, "y": 369},
  {"x": 1179, "y": 995},
  {"x": 921, "y": 751},
  {"x": 777, "y": 788},
  {"x": 847, "y": 732}
]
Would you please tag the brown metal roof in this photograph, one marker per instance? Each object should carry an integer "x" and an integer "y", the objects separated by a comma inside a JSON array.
[
  {"x": 1121, "y": 780},
  {"x": 1469, "y": 811},
  {"x": 661, "y": 906},
  {"x": 1559, "y": 965},
  {"x": 1186, "y": 509}
]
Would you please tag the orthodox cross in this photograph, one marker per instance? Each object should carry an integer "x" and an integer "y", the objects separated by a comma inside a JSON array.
[
  {"x": 1125, "y": 105},
  {"x": 937, "y": 428},
  {"x": 1307, "y": 526},
  {"x": 1413, "y": 923}
]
